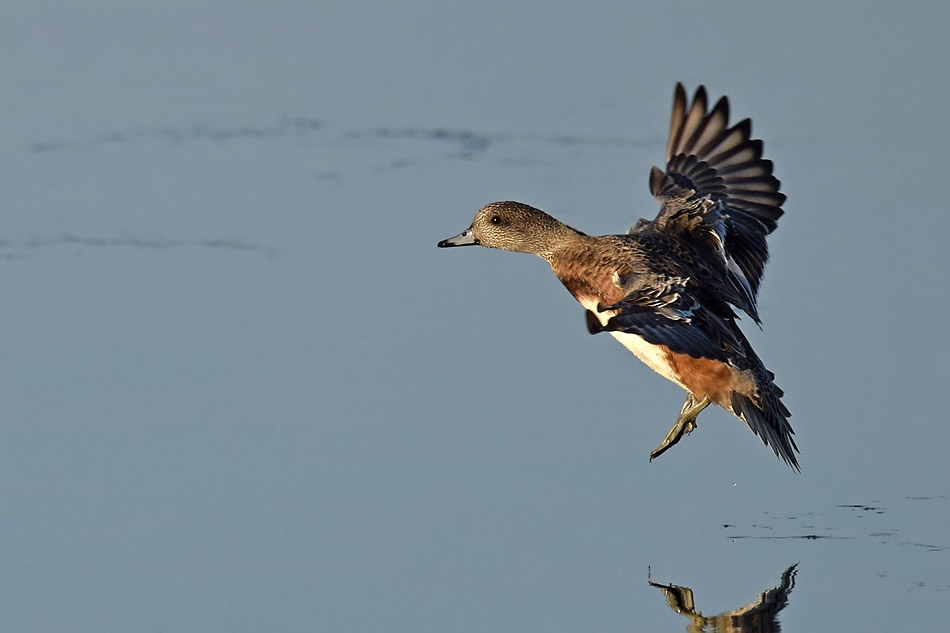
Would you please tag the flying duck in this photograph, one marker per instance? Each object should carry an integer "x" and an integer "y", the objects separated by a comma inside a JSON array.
[{"x": 669, "y": 288}]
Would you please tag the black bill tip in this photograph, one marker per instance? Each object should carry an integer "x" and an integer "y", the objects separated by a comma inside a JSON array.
[{"x": 465, "y": 238}]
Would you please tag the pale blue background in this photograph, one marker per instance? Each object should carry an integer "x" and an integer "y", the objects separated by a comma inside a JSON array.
[{"x": 243, "y": 391}]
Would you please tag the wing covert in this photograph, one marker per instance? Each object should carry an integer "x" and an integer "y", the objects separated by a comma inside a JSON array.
[{"x": 668, "y": 314}]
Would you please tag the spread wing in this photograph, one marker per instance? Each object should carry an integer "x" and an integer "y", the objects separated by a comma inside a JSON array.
[
  {"x": 718, "y": 192},
  {"x": 667, "y": 313}
]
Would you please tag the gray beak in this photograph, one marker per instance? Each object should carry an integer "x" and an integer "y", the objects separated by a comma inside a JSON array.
[{"x": 465, "y": 238}]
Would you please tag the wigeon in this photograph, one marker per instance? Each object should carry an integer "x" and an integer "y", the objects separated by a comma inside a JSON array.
[{"x": 667, "y": 289}]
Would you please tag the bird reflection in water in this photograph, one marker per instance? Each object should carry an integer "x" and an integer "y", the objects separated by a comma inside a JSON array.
[{"x": 759, "y": 617}]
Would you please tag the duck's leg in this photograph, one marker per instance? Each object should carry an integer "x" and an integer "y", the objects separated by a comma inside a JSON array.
[
  {"x": 685, "y": 423},
  {"x": 690, "y": 401}
]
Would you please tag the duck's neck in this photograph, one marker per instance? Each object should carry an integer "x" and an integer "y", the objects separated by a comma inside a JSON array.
[{"x": 561, "y": 238}]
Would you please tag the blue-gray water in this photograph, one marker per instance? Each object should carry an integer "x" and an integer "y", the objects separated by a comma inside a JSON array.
[{"x": 243, "y": 391}]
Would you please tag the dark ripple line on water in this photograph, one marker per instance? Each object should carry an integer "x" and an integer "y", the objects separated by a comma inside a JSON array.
[
  {"x": 468, "y": 143},
  {"x": 285, "y": 126},
  {"x": 863, "y": 508},
  {"x": 806, "y": 537},
  {"x": 846, "y": 522},
  {"x": 141, "y": 243}
]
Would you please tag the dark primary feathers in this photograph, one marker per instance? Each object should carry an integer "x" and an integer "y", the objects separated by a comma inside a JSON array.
[{"x": 719, "y": 190}]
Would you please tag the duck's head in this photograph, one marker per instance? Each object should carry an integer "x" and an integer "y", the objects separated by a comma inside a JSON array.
[{"x": 512, "y": 226}]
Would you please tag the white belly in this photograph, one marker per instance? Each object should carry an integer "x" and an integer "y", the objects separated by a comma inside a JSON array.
[{"x": 653, "y": 356}]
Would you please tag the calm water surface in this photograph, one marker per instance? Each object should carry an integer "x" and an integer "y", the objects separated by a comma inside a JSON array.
[{"x": 244, "y": 391}]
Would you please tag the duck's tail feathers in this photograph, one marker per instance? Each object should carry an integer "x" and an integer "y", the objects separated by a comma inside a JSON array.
[{"x": 769, "y": 421}]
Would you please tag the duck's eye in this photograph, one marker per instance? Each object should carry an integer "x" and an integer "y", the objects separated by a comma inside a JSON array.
[{"x": 496, "y": 219}]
